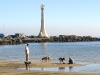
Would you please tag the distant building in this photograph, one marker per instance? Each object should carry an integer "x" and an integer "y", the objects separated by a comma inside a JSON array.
[
  {"x": 2, "y": 35},
  {"x": 9, "y": 37},
  {"x": 20, "y": 35}
]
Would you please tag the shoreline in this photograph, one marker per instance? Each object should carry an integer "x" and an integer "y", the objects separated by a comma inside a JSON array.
[{"x": 10, "y": 68}]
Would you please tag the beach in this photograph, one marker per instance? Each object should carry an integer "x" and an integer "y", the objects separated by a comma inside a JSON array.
[
  {"x": 10, "y": 68},
  {"x": 86, "y": 56}
]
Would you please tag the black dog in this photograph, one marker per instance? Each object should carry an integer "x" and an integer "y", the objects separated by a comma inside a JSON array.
[{"x": 61, "y": 60}]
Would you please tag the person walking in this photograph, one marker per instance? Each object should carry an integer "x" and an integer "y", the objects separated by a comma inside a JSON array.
[{"x": 27, "y": 52}]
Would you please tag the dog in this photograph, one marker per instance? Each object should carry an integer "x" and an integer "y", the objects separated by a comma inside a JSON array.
[
  {"x": 61, "y": 60},
  {"x": 47, "y": 58}
]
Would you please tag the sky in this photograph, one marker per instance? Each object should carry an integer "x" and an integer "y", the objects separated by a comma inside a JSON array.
[{"x": 62, "y": 17}]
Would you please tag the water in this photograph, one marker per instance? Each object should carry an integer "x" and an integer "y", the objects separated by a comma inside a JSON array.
[
  {"x": 86, "y": 68},
  {"x": 82, "y": 52},
  {"x": 75, "y": 50}
]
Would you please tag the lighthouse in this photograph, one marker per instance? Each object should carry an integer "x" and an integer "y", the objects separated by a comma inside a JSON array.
[{"x": 43, "y": 32}]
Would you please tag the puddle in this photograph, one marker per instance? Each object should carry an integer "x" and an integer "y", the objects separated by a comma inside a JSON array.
[{"x": 90, "y": 68}]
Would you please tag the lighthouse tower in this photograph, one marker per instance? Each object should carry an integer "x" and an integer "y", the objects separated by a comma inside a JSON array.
[{"x": 42, "y": 30}]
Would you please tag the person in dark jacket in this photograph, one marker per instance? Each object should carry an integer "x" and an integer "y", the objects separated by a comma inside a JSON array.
[{"x": 71, "y": 61}]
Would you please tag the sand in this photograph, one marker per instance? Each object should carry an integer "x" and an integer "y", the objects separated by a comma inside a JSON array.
[{"x": 10, "y": 68}]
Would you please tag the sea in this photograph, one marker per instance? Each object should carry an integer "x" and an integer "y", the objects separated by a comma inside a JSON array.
[{"x": 87, "y": 53}]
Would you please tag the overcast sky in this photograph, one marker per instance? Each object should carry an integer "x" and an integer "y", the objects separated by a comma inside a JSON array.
[{"x": 62, "y": 17}]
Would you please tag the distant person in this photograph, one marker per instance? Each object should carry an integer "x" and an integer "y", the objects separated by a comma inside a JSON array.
[
  {"x": 71, "y": 61},
  {"x": 27, "y": 52}
]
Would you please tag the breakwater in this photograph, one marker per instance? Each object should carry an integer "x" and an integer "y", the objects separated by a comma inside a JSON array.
[
  {"x": 5, "y": 41},
  {"x": 13, "y": 41},
  {"x": 62, "y": 39}
]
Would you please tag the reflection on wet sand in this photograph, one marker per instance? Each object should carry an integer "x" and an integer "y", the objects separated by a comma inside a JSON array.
[
  {"x": 27, "y": 68},
  {"x": 61, "y": 68},
  {"x": 27, "y": 64},
  {"x": 70, "y": 68},
  {"x": 64, "y": 69},
  {"x": 43, "y": 69}
]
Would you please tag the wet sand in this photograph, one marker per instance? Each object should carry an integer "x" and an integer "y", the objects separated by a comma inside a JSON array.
[{"x": 10, "y": 68}]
